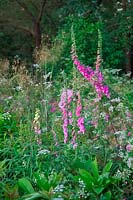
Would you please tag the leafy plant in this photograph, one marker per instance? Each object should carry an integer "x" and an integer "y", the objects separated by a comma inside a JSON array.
[
  {"x": 11, "y": 193},
  {"x": 47, "y": 186},
  {"x": 99, "y": 185}
]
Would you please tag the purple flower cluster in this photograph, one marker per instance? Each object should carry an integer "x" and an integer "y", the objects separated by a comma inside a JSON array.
[
  {"x": 95, "y": 77},
  {"x": 81, "y": 125},
  {"x": 64, "y": 104},
  {"x": 80, "y": 120}
]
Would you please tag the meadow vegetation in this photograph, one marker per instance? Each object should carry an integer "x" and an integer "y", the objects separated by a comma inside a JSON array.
[{"x": 66, "y": 121}]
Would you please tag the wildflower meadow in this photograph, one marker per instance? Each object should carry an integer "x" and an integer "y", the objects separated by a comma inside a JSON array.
[{"x": 66, "y": 122}]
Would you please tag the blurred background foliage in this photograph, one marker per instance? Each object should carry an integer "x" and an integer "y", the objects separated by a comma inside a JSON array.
[{"x": 26, "y": 25}]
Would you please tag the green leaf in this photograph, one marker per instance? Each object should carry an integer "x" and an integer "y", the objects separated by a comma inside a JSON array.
[
  {"x": 106, "y": 196},
  {"x": 107, "y": 167},
  {"x": 55, "y": 180},
  {"x": 77, "y": 164},
  {"x": 87, "y": 178},
  {"x": 42, "y": 182},
  {"x": 35, "y": 195},
  {"x": 98, "y": 190},
  {"x": 107, "y": 182},
  {"x": 25, "y": 185},
  {"x": 87, "y": 165},
  {"x": 94, "y": 168}
]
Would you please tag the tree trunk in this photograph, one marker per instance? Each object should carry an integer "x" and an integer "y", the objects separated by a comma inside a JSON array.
[
  {"x": 37, "y": 34},
  {"x": 127, "y": 49},
  {"x": 128, "y": 61}
]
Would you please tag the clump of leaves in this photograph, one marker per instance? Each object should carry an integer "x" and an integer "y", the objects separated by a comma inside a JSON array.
[
  {"x": 98, "y": 184},
  {"x": 47, "y": 186}
]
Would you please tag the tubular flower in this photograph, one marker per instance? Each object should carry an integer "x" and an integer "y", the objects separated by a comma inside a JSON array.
[
  {"x": 95, "y": 77},
  {"x": 80, "y": 120},
  {"x": 79, "y": 106},
  {"x": 64, "y": 104},
  {"x": 36, "y": 122},
  {"x": 81, "y": 125}
]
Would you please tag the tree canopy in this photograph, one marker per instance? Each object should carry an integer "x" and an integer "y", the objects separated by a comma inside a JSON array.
[{"x": 26, "y": 24}]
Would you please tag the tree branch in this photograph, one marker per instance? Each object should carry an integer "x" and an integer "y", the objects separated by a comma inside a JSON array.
[
  {"x": 15, "y": 26},
  {"x": 30, "y": 32},
  {"x": 23, "y": 5},
  {"x": 34, "y": 6},
  {"x": 41, "y": 10}
]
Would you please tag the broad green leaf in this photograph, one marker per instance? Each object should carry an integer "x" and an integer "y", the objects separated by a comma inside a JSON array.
[
  {"x": 87, "y": 178},
  {"x": 106, "y": 196},
  {"x": 107, "y": 167},
  {"x": 25, "y": 185},
  {"x": 77, "y": 164},
  {"x": 94, "y": 168},
  {"x": 87, "y": 165},
  {"x": 98, "y": 190},
  {"x": 35, "y": 195},
  {"x": 42, "y": 182}
]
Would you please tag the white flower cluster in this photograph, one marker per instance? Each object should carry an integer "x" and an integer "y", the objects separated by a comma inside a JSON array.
[
  {"x": 18, "y": 88},
  {"x": 130, "y": 162},
  {"x": 8, "y": 98},
  {"x": 6, "y": 116},
  {"x": 102, "y": 114},
  {"x": 58, "y": 189},
  {"x": 35, "y": 66},
  {"x": 43, "y": 152},
  {"x": 124, "y": 175},
  {"x": 121, "y": 154},
  {"x": 121, "y": 135},
  {"x": 116, "y": 100},
  {"x": 119, "y": 132},
  {"x": 83, "y": 193},
  {"x": 120, "y": 9},
  {"x": 111, "y": 108}
]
